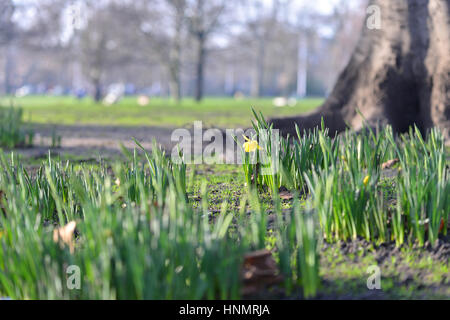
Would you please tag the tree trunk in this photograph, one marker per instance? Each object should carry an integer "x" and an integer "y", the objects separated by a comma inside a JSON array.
[
  {"x": 98, "y": 95},
  {"x": 174, "y": 87},
  {"x": 398, "y": 74},
  {"x": 258, "y": 72},
  {"x": 175, "y": 54},
  {"x": 174, "y": 73},
  {"x": 9, "y": 69},
  {"x": 200, "y": 66}
]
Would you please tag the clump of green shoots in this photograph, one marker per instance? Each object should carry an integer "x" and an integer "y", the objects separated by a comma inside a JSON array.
[
  {"x": 296, "y": 241},
  {"x": 298, "y": 247},
  {"x": 283, "y": 161},
  {"x": 342, "y": 176},
  {"x": 423, "y": 188},
  {"x": 136, "y": 236},
  {"x": 350, "y": 204},
  {"x": 347, "y": 209},
  {"x": 12, "y": 132}
]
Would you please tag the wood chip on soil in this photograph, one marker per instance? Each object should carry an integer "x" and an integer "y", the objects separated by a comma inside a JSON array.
[{"x": 259, "y": 271}]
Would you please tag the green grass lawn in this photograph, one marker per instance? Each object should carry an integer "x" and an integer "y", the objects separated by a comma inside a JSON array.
[{"x": 217, "y": 112}]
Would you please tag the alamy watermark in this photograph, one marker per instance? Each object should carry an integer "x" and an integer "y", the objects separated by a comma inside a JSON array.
[
  {"x": 73, "y": 281},
  {"x": 374, "y": 280},
  {"x": 229, "y": 146},
  {"x": 373, "y": 21}
]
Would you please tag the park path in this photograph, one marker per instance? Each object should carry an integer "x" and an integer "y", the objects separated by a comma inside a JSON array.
[{"x": 94, "y": 141}]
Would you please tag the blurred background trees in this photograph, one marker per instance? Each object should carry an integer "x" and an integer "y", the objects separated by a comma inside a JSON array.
[{"x": 176, "y": 48}]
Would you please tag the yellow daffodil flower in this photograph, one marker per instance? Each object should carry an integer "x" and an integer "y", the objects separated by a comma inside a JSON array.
[
  {"x": 251, "y": 145},
  {"x": 366, "y": 180}
]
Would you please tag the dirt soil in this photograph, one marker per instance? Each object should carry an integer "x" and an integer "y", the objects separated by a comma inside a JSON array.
[
  {"x": 406, "y": 273},
  {"x": 94, "y": 141}
]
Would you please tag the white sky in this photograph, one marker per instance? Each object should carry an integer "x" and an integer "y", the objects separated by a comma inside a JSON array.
[
  {"x": 322, "y": 6},
  {"x": 296, "y": 7}
]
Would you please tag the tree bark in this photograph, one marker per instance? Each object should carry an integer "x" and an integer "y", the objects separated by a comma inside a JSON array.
[
  {"x": 398, "y": 74},
  {"x": 9, "y": 69},
  {"x": 174, "y": 86},
  {"x": 258, "y": 72},
  {"x": 174, "y": 71},
  {"x": 97, "y": 90},
  {"x": 175, "y": 51},
  {"x": 200, "y": 66}
]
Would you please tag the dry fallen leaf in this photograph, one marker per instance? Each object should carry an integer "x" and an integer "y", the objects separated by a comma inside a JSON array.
[
  {"x": 259, "y": 271},
  {"x": 426, "y": 223},
  {"x": 286, "y": 195},
  {"x": 64, "y": 235},
  {"x": 441, "y": 226},
  {"x": 389, "y": 164}
]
